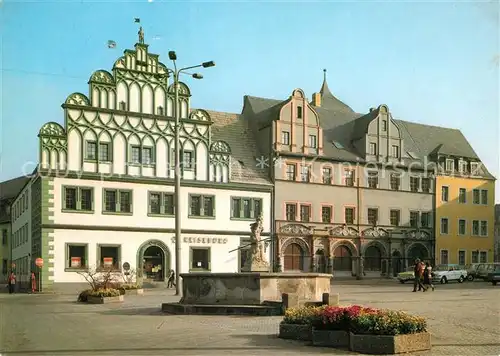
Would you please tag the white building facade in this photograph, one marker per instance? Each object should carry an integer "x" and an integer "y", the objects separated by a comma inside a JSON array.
[{"x": 105, "y": 183}]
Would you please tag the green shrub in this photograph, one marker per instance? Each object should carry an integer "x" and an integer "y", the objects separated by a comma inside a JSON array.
[
  {"x": 130, "y": 286},
  {"x": 82, "y": 297},
  {"x": 122, "y": 290},
  {"x": 387, "y": 322},
  {"x": 104, "y": 293}
]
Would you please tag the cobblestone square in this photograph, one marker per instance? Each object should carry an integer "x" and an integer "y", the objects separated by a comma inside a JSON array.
[{"x": 463, "y": 320}]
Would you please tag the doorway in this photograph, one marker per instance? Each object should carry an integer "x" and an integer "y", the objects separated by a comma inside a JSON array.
[
  {"x": 154, "y": 264},
  {"x": 294, "y": 258}
]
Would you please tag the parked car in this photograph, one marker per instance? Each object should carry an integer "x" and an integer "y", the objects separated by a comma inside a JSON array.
[
  {"x": 446, "y": 273},
  {"x": 494, "y": 276},
  {"x": 485, "y": 268},
  {"x": 472, "y": 271},
  {"x": 406, "y": 276}
]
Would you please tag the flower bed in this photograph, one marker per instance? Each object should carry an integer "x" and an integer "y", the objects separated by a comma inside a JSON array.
[
  {"x": 100, "y": 296},
  {"x": 364, "y": 330},
  {"x": 132, "y": 289}
]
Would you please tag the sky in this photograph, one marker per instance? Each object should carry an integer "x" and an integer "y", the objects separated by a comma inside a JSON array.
[{"x": 431, "y": 62}]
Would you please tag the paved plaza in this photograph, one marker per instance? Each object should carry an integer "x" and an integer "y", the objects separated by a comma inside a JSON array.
[{"x": 463, "y": 320}]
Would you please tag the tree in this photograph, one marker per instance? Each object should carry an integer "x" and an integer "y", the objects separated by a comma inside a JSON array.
[{"x": 100, "y": 278}]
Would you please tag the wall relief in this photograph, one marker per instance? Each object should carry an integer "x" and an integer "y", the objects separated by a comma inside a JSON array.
[
  {"x": 343, "y": 231},
  {"x": 375, "y": 232},
  {"x": 296, "y": 229},
  {"x": 417, "y": 234}
]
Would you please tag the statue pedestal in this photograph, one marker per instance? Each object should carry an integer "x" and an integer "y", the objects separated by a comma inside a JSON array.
[{"x": 256, "y": 266}]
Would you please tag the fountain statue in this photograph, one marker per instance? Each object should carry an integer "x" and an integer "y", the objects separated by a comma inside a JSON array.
[{"x": 256, "y": 260}]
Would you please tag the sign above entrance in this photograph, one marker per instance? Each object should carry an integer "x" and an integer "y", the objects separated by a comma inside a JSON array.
[{"x": 202, "y": 240}]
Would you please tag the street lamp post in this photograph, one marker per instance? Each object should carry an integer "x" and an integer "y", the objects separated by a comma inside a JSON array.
[{"x": 177, "y": 172}]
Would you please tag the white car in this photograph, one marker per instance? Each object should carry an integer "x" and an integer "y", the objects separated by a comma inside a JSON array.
[{"x": 446, "y": 273}]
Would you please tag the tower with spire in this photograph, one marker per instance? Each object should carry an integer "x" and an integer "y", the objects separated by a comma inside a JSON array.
[{"x": 327, "y": 100}]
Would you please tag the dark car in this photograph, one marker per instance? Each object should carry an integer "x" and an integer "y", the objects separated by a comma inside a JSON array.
[{"x": 494, "y": 276}]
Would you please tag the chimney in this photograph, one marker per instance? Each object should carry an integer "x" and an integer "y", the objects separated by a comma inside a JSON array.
[{"x": 316, "y": 99}]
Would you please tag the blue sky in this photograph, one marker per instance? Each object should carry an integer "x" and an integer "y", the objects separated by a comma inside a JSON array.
[{"x": 430, "y": 62}]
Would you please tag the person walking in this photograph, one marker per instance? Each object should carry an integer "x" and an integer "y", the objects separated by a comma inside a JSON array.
[
  {"x": 171, "y": 279},
  {"x": 418, "y": 271},
  {"x": 33, "y": 283},
  {"x": 428, "y": 276},
  {"x": 12, "y": 282}
]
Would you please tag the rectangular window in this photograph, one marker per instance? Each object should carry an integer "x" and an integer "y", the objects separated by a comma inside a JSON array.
[
  {"x": 76, "y": 256},
  {"x": 327, "y": 175},
  {"x": 444, "y": 226},
  {"x": 372, "y": 216},
  {"x": 187, "y": 160},
  {"x": 304, "y": 173},
  {"x": 285, "y": 137},
  {"x": 414, "y": 184},
  {"x": 395, "y": 151},
  {"x": 78, "y": 198},
  {"x": 462, "y": 227},
  {"x": 91, "y": 150},
  {"x": 474, "y": 168},
  {"x": 373, "y": 180},
  {"x": 161, "y": 203},
  {"x": 395, "y": 217},
  {"x": 395, "y": 181},
  {"x": 475, "y": 257},
  {"x": 476, "y": 196},
  {"x": 245, "y": 208},
  {"x": 299, "y": 112},
  {"x": 462, "y": 166},
  {"x": 373, "y": 148},
  {"x": 414, "y": 215},
  {"x": 349, "y": 216},
  {"x": 117, "y": 201},
  {"x": 305, "y": 213},
  {"x": 109, "y": 256},
  {"x": 461, "y": 258},
  {"x": 200, "y": 259},
  {"x": 449, "y": 165},
  {"x": 475, "y": 227},
  {"x": 135, "y": 154},
  {"x": 349, "y": 177},
  {"x": 483, "y": 257},
  {"x": 5, "y": 237},
  {"x": 384, "y": 125},
  {"x": 291, "y": 212},
  {"x": 4, "y": 266},
  {"x": 147, "y": 155},
  {"x": 290, "y": 171},
  {"x": 444, "y": 193},
  {"x": 462, "y": 195},
  {"x": 201, "y": 205},
  {"x": 444, "y": 257},
  {"x": 326, "y": 214},
  {"x": 484, "y": 228},
  {"x": 484, "y": 197},
  {"x": 104, "y": 152},
  {"x": 313, "y": 141}
]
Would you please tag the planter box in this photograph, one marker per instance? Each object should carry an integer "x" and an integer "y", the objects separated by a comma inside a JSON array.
[
  {"x": 104, "y": 300},
  {"x": 301, "y": 332},
  {"x": 330, "y": 338},
  {"x": 139, "y": 291},
  {"x": 386, "y": 344}
]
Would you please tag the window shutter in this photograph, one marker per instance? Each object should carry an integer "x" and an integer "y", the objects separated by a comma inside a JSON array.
[{"x": 213, "y": 208}]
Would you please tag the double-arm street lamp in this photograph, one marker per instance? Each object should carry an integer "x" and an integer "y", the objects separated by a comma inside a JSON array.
[{"x": 177, "y": 173}]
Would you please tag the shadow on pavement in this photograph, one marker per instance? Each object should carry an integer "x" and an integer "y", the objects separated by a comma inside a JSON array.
[
  {"x": 263, "y": 341},
  {"x": 134, "y": 311}
]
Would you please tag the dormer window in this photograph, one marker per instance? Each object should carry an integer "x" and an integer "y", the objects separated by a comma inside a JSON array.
[
  {"x": 474, "y": 167},
  {"x": 384, "y": 125},
  {"x": 299, "y": 112},
  {"x": 449, "y": 165},
  {"x": 462, "y": 166},
  {"x": 122, "y": 106},
  {"x": 395, "y": 151},
  {"x": 312, "y": 141},
  {"x": 159, "y": 110},
  {"x": 373, "y": 148}
]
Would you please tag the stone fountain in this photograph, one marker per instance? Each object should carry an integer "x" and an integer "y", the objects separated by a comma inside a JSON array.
[{"x": 256, "y": 291}]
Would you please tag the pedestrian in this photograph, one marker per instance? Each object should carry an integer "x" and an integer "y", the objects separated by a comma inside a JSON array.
[
  {"x": 171, "y": 279},
  {"x": 12, "y": 282},
  {"x": 418, "y": 271},
  {"x": 33, "y": 283},
  {"x": 428, "y": 276}
]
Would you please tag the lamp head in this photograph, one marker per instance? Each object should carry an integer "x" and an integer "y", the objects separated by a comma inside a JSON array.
[
  {"x": 172, "y": 56},
  {"x": 197, "y": 76},
  {"x": 208, "y": 64}
]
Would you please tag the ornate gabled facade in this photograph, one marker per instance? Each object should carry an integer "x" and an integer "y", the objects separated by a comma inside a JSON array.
[
  {"x": 357, "y": 190},
  {"x": 104, "y": 191}
]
